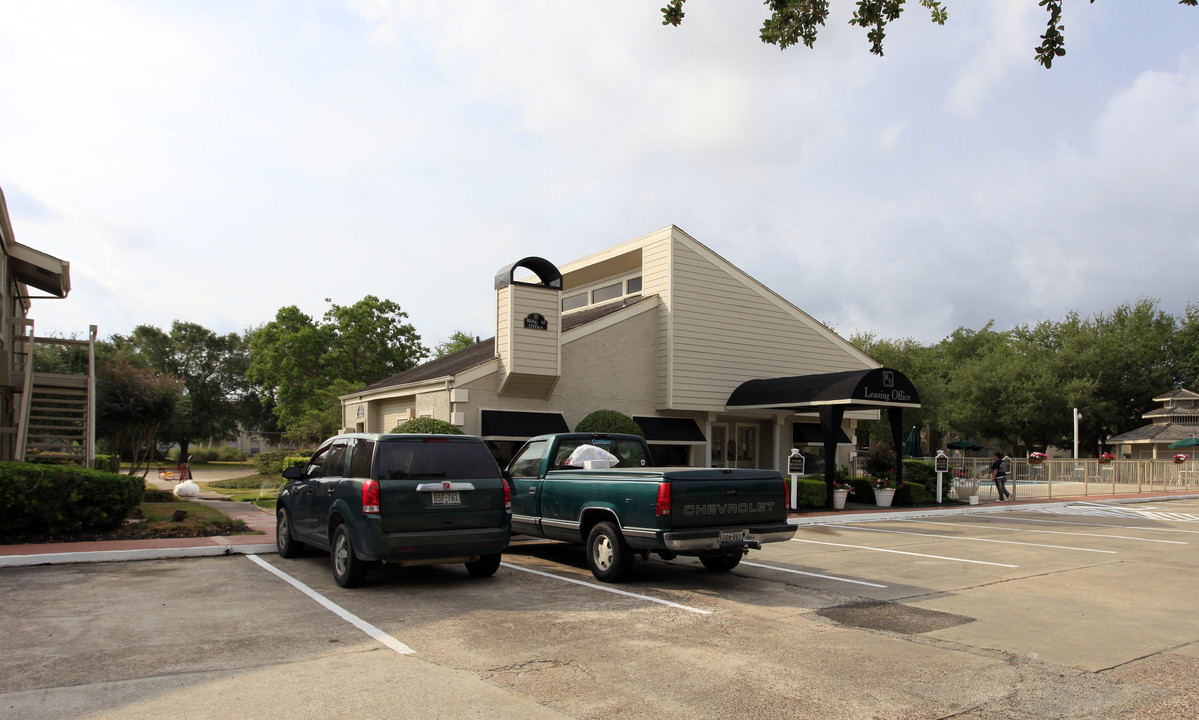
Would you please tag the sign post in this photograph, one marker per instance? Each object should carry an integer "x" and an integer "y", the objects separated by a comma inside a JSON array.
[
  {"x": 941, "y": 465},
  {"x": 795, "y": 469}
]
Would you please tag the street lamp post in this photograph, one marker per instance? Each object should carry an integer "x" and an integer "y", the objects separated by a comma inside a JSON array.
[{"x": 1077, "y": 417}]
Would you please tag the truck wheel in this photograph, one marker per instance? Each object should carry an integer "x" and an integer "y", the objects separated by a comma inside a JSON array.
[
  {"x": 608, "y": 556},
  {"x": 721, "y": 563},
  {"x": 287, "y": 545},
  {"x": 348, "y": 569},
  {"x": 485, "y": 566}
]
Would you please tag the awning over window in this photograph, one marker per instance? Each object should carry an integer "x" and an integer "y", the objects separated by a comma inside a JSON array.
[
  {"x": 37, "y": 269},
  {"x": 855, "y": 389},
  {"x": 811, "y": 434},
  {"x": 512, "y": 425},
  {"x": 671, "y": 431}
]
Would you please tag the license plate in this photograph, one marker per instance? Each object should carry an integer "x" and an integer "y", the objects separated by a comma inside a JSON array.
[
  {"x": 447, "y": 498},
  {"x": 728, "y": 536}
]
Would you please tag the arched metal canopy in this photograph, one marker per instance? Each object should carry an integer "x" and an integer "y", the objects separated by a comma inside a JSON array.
[
  {"x": 832, "y": 394},
  {"x": 546, "y": 272}
]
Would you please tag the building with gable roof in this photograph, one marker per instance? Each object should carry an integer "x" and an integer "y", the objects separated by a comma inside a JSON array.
[
  {"x": 716, "y": 368},
  {"x": 1177, "y": 419}
]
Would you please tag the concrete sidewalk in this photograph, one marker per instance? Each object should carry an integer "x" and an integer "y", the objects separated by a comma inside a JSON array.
[{"x": 258, "y": 519}]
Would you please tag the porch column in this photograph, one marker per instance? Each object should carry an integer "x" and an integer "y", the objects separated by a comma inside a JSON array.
[{"x": 830, "y": 424}]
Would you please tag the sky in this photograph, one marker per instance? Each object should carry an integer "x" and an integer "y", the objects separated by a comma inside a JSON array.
[{"x": 216, "y": 161}]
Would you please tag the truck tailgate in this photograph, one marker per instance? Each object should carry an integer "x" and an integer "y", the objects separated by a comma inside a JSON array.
[{"x": 725, "y": 497}]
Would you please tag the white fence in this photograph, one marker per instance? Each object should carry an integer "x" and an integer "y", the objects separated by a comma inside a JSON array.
[{"x": 1059, "y": 478}]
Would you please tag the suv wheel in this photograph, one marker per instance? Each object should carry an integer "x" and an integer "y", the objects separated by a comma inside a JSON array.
[
  {"x": 288, "y": 546},
  {"x": 348, "y": 569},
  {"x": 485, "y": 566}
]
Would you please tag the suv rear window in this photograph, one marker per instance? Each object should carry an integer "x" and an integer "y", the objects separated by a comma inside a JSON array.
[{"x": 434, "y": 459}]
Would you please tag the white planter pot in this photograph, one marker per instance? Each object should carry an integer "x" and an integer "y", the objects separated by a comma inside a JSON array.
[
  {"x": 839, "y": 499},
  {"x": 883, "y": 498}
]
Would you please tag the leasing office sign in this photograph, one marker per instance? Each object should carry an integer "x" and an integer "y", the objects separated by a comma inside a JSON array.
[{"x": 886, "y": 386}]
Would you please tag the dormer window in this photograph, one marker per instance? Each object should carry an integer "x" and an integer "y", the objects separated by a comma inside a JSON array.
[{"x": 603, "y": 293}]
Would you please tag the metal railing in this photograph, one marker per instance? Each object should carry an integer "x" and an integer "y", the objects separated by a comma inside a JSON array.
[{"x": 1065, "y": 477}]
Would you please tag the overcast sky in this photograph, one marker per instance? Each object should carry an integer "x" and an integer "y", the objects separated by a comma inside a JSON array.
[{"x": 215, "y": 161}]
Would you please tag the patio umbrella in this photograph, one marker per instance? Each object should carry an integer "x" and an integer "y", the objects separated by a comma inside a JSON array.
[
  {"x": 1187, "y": 443},
  {"x": 911, "y": 448},
  {"x": 963, "y": 445}
]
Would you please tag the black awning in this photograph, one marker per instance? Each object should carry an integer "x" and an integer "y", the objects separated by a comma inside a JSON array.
[
  {"x": 513, "y": 425},
  {"x": 852, "y": 390},
  {"x": 678, "y": 431},
  {"x": 811, "y": 434}
]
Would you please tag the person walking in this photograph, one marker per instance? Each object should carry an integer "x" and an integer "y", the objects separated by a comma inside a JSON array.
[{"x": 999, "y": 477}]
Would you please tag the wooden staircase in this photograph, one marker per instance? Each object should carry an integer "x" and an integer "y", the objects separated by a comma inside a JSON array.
[{"x": 57, "y": 409}]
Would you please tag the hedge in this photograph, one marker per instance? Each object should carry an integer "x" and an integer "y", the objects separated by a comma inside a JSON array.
[
  {"x": 809, "y": 492},
  {"x": 51, "y": 500}
]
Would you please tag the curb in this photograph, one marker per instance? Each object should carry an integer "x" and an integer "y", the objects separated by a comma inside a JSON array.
[{"x": 94, "y": 556}]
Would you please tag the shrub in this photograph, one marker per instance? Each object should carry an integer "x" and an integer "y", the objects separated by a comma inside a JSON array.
[
  {"x": 880, "y": 461},
  {"x": 57, "y": 500},
  {"x": 609, "y": 421},
  {"x": 272, "y": 462},
  {"x": 104, "y": 462},
  {"x": 911, "y": 493},
  {"x": 427, "y": 425},
  {"x": 920, "y": 471},
  {"x": 253, "y": 482},
  {"x": 296, "y": 460},
  {"x": 809, "y": 492}
]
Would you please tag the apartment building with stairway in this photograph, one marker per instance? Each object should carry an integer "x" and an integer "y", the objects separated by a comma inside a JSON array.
[{"x": 47, "y": 400}]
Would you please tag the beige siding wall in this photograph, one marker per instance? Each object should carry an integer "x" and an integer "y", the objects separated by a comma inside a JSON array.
[
  {"x": 726, "y": 331},
  {"x": 388, "y": 413},
  {"x": 535, "y": 351},
  {"x": 655, "y": 280}
]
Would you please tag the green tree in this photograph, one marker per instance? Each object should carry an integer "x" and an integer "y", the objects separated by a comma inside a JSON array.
[
  {"x": 794, "y": 21},
  {"x": 923, "y": 366},
  {"x": 302, "y": 366},
  {"x": 212, "y": 368},
  {"x": 458, "y": 341},
  {"x": 131, "y": 403}
]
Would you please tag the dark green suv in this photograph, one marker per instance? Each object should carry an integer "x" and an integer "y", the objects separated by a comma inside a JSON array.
[{"x": 402, "y": 499}]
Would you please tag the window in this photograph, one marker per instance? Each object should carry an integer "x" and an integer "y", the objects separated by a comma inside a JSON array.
[
  {"x": 528, "y": 463},
  {"x": 609, "y": 292},
  {"x": 335, "y": 466},
  {"x": 316, "y": 465},
  {"x": 634, "y": 285},
  {"x": 360, "y": 460},
  {"x": 574, "y": 302}
]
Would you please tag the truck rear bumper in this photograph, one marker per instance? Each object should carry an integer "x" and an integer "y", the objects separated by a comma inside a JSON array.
[{"x": 710, "y": 538}]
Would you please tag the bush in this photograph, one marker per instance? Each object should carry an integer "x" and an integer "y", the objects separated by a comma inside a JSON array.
[
  {"x": 427, "y": 425},
  {"x": 609, "y": 421},
  {"x": 920, "y": 471},
  {"x": 911, "y": 493},
  {"x": 880, "y": 461},
  {"x": 222, "y": 453},
  {"x": 103, "y": 462},
  {"x": 809, "y": 492},
  {"x": 52, "y": 500},
  {"x": 253, "y": 482},
  {"x": 296, "y": 460},
  {"x": 272, "y": 462}
]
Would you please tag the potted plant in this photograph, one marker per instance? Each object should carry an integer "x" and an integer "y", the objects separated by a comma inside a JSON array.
[
  {"x": 841, "y": 491},
  {"x": 1106, "y": 458},
  {"x": 1036, "y": 458},
  {"x": 884, "y": 491},
  {"x": 1180, "y": 458}
]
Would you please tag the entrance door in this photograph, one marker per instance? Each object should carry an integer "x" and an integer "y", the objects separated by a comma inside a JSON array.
[
  {"x": 746, "y": 447},
  {"x": 720, "y": 445}
]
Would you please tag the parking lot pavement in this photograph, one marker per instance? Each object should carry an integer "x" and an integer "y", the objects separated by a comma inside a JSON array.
[{"x": 1079, "y": 610}]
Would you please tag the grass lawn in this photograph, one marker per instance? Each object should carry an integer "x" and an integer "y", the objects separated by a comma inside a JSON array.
[{"x": 258, "y": 489}]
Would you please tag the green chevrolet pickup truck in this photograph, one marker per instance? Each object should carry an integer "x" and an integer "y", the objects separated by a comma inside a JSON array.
[{"x": 603, "y": 491}]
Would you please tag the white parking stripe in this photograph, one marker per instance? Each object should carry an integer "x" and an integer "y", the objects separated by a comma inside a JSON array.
[
  {"x": 336, "y": 609},
  {"x": 660, "y": 601},
  {"x": 810, "y": 574},
  {"x": 1045, "y": 532},
  {"x": 959, "y": 537},
  {"x": 902, "y": 552}
]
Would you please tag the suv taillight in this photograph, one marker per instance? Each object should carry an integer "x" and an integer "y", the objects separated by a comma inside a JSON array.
[
  {"x": 370, "y": 496},
  {"x": 507, "y": 496},
  {"x": 662, "y": 506}
]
